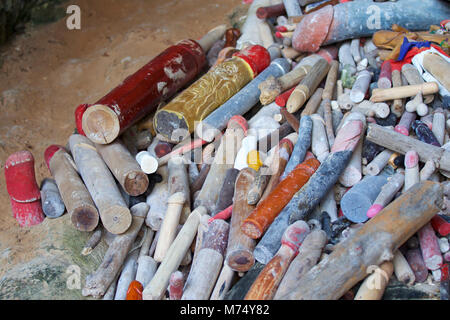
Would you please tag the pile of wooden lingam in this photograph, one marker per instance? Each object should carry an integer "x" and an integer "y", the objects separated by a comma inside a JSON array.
[{"x": 295, "y": 157}]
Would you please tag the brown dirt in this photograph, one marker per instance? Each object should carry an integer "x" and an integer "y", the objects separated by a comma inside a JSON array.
[{"x": 48, "y": 71}]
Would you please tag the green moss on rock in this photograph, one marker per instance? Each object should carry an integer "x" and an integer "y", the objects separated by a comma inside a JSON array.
[{"x": 45, "y": 275}]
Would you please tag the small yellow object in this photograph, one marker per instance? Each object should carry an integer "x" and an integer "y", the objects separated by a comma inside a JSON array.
[{"x": 254, "y": 160}]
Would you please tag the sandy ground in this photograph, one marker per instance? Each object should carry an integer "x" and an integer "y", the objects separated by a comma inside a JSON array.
[{"x": 48, "y": 71}]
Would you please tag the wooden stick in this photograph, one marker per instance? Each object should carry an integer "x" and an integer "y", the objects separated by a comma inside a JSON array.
[
  {"x": 424, "y": 133},
  {"x": 430, "y": 248},
  {"x": 266, "y": 284},
  {"x": 374, "y": 285},
  {"x": 124, "y": 167},
  {"x": 328, "y": 205},
  {"x": 387, "y": 193},
  {"x": 146, "y": 242},
  {"x": 211, "y": 37},
  {"x": 380, "y": 95},
  {"x": 319, "y": 144},
  {"x": 114, "y": 212},
  {"x": 415, "y": 260},
  {"x": 226, "y": 194},
  {"x": 405, "y": 123},
  {"x": 378, "y": 239},
  {"x": 360, "y": 87},
  {"x": 146, "y": 269},
  {"x": 378, "y": 163},
  {"x": 327, "y": 96},
  {"x": 127, "y": 275},
  {"x": 93, "y": 241},
  {"x": 308, "y": 255},
  {"x": 385, "y": 80},
  {"x": 411, "y": 169},
  {"x": 439, "y": 125},
  {"x": 302, "y": 145},
  {"x": 206, "y": 268},
  {"x": 98, "y": 282},
  {"x": 76, "y": 197},
  {"x": 438, "y": 67},
  {"x": 157, "y": 200},
  {"x": 307, "y": 86},
  {"x": 179, "y": 182},
  {"x": 273, "y": 87},
  {"x": 176, "y": 284},
  {"x": 224, "y": 160},
  {"x": 265, "y": 213},
  {"x": 412, "y": 76},
  {"x": 111, "y": 292},
  {"x": 169, "y": 225},
  {"x": 402, "y": 270},
  {"x": 271, "y": 11},
  {"x": 352, "y": 174},
  {"x": 272, "y": 139},
  {"x": 157, "y": 286},
  {"x": 397, "y": 106},
  {"x": 402, "y": 144},
  {"x": 52, "y": 203},
  {"x": 417, "y": 105},
  {"x": 346, "y": 57},
  {"x": 278, "y": 165},
  {"x": 257, "y": 187},
  {"x": 240, "y": 246},
  {"x": 223, "y": 284},
  {"x": 358, "y": 200},
  {"x": 291, "y": 119},
  {"x": 292, "y": 8}
]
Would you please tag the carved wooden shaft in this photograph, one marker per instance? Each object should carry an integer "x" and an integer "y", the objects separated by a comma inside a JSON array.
[
  {"x": 272, "y": 87},
  {"x": 278, "y": 165},
  {"x": 430, "y": 248},
  {"x": 223, "y": 284},
  {"x": 308, "y": 255},
  {"x": 169, "y": 225},
  {"x": 207, "y": 265},
  {"x": 319, "y": 144},
  {"x": 261, "y": 218},
  {"x": 374, "y": 285},
  {"x": 380, "y": 95},
  {"x": 124, "y": 167},
  {"x": 179, "y": 182},
  {"x": 156, "y": 288},
  {"x": 372, "y": 244},
  {"x": 76, "y": 197},
  {"x": 327, "y": 96},
  {"x": 266, "y": 284},
  {"x": 114, "y": 212},
  {"x": 412, "y": 76},
  {"x": 176, "y": 285},
  {"x": 415, "y": 260},
  {"x": 223, "y": 160},
  {"x": 398, "y": 105},
  {"x": 402, "y": 144},
  {"x": 240, "y": 246},
  {"x": 307, "y": 86},
  {"x": 387, "y": 193},
  {"x": 157, "y": 200},
  {"x": 402, "y": 270}
]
